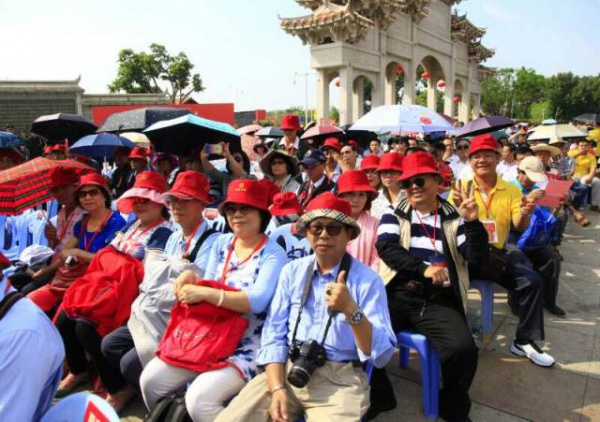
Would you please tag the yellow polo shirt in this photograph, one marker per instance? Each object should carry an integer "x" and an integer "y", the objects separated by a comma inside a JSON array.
[
  {"x": 503, "y": 205},
  {"x": 583, "y": 163}
]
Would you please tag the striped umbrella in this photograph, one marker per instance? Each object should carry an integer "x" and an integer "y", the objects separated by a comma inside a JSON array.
[{"x": 27, "y": 185}]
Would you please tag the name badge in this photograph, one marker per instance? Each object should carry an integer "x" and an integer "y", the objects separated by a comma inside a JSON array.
[{"x": 491, "y": 229}]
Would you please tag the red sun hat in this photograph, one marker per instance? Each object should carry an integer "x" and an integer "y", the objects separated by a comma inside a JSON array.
[
  {"x": 370, "y": 162},
  {"x": 190, "y": 185},
  {"x": 285, "y": 203},
  {"x": 418, "y": 163},
  {"x": 140, "y": 153},
  {"x": 246, "y": 192},
  {"x": 62, "y": 176},
  {"x": 149, "y": 185},
  {"x": 271, "y": 188},
  {"x": 354, "y": 144},
  {"x": 390, "y": 161},
  {"x": 59, "y": 148},
  {"x": 48, "y": 150},
  {"x": 328, "y": 205},
  {"x": 332, "y": 143},
  {"x": 95, "y": 179},
  {"x": 483, "y": 142},
  {"x": 290, "y": 122},
  {"x": 354, "y": 181}
]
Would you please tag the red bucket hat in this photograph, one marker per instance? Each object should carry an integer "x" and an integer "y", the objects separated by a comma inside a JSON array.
[
  {"x": 370, "y": 162},
  {"x": 246, "y": 192},
  {"x": 418, "y": 163},
  {"x": 354, "y": 181},
  {"x": 62, "y": 176},
  {"x": 329, "y": 206},
  {"x": 483, "y": 142},
  {"x": 271, "y": 188},
  {"x": 332, "y": 143},
  {"x": 95, "y": 179},
  {"x": 190, "y": 185},
  {"x": 285, "y": 203},
  {"x": 59, "y": 148},
  {"x": 140, "y": 153},
  {"x": 390, "y": 161},
  {"x": 149, "y": 185},
  {"x": 290, "y": 122}
]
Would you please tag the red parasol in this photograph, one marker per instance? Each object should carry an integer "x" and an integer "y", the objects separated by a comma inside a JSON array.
[
  {"x": 27, "y": 185},
  {"x": 249, "y": 129},
  {"x": 321, "y": 130}
]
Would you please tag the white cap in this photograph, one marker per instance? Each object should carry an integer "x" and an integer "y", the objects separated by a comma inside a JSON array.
[{"x": 533, "y": 168}]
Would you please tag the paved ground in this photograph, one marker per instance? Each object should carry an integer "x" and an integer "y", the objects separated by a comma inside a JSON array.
[{"x": 510, "y": 389}]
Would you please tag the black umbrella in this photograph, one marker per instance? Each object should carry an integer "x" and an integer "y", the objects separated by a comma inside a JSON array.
[
  {"x": 363, "y": 137},
  {"x": 588, "y": 117},
  {"x": 140, "y": 118},
  {"x": 61, "y": 126},
  {"x": 484, "y": 125}
]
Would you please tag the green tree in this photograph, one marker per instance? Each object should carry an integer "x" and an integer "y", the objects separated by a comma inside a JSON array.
[
  {"x": 497, "y": 92},
  {"x": 528, "y": 88},
  {"x": 144, "y": 72},
  {"x": 334, "y": 114},
  {"x": 559, "y": 92}
]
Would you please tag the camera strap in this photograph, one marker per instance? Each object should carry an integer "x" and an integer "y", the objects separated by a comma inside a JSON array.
[{"x": 345, "y": 266}]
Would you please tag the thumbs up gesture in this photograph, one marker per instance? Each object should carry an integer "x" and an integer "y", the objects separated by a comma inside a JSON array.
[{"x": 337, "y": 296}]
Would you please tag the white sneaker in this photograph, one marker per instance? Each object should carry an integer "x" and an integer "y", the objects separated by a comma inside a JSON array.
[{"x": 532, "y": 352}]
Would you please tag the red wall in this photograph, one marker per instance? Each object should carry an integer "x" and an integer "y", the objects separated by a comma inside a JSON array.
[{"x": 219, "y": 112}]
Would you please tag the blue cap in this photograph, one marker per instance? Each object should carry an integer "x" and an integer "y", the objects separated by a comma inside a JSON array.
[{"x": 313, "y": 156}]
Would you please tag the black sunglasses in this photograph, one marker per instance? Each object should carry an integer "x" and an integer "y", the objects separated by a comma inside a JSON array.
[
  {"x": 419, "y": 181},
  {"x": 332, "y": 229},
  {"x": 462, "y": 147}
]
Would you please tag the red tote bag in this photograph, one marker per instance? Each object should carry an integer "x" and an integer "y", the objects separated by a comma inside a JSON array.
[{"x": 200, "y": 337}]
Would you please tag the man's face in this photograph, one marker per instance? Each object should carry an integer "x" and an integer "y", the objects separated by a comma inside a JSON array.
[
  {"x": 315, "y": 171},
  {"x": 521, "y": 156},
  {"x": 507, "y": 154},
  {"x": 584, "y": 147},
  {"x": 290, "y": 134},
  {"x": 349, "y": 155},
  {"x": 449, "y": 146},
  {"x": 521, "y": 138},
  {"x": 186, "y": 211},
  {"x": 421, "y": 188},
  {"x": 524, "y": 180},
  {"x": 121, "y": 160},
  {"x": 164, "y": 167},
  {"x": 374, "y": 147},
  {"x": 462, "y": 150},
  {"x": 330, "y": 154},
  {"x": 138, "y": 164},
  {"x": 324, "y": 243},
  {"x": 64, "y": 195},
  {"x": 544, "y": 157},
  {"x": 484, "y": 162}
]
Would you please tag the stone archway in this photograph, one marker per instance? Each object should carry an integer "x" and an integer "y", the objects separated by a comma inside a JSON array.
[
  {"x": 399, "y": 83},
  {"x": 362, "y": 96},
  {"x": 433, "y": 68}
]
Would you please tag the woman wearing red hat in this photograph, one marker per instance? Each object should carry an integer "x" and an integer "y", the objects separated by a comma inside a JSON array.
[
  {"x": 389, "y": 170},
  {"x": 286, "y": 209},
  {"x": 353, "y": 186},
  {"x": 290, "y": 143},
  {"x": 369, "y": 166},
  {"x": 92, "y": 233},
  {"x": 235, "y": 259}
]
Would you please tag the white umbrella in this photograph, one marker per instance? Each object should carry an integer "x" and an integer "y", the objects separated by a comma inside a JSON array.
[
  {"x": 406, "y": 118},
  {"x": 139, "y": 139},
  {"x": 555, "y": 132}
]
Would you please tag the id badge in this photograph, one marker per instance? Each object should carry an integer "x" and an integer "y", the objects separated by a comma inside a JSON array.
[
  {"x": 440, "y": 261},
  {"x": 491, "y": 229}
]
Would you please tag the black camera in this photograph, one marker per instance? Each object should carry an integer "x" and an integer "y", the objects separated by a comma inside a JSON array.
[
  {"x": 305, "y": 356},
  {"x": 71, "y": 261}
]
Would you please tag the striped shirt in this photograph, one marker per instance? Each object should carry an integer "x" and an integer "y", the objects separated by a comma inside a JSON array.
[{"x": 422, "y": 233}]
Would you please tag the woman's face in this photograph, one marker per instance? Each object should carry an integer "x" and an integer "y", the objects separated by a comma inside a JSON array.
[
  {"x": 374, "y": 179},
  {"x": 244, "y": 220},
  {"x": 146, "y": 211},
  {"x": 390, "y": 178},
  {"x": 91, "y": 197},
  {"x": 357, "y": 200},
  {"x": 279, "y": 167}
]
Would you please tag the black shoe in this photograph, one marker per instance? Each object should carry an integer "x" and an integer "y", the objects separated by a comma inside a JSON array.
[
  {"x": 379, "y": 407},
  {"x": 555, "y": 310}
]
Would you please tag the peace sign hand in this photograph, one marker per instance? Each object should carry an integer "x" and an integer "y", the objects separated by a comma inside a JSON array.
[{"x": 469, "y": 210}]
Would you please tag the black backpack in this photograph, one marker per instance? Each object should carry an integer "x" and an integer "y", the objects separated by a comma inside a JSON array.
[{"x": 170, "y": 409}]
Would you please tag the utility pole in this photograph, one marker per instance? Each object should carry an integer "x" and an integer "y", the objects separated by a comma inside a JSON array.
[{"x": 305, "y": 76}]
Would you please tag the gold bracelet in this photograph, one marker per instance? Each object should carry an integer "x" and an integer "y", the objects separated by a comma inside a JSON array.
[
  {"x": 279, "y": 387},
  {"x": 221, "y": 298}
]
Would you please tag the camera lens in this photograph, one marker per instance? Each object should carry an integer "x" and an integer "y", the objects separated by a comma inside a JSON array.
[{"x": 298, "y": 377}]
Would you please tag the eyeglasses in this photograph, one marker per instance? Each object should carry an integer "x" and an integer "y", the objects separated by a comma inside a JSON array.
[
  {"x": 485, "y": 157},
  {"x": 90, "y": 192},
  {"x": 462, "y": 147},
  {"x": 332, "y": 229},
  {"x": 231, "y": 210},
  {"x": 418, "y": 181}
]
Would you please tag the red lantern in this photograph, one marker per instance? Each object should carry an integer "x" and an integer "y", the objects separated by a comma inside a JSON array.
[
  {"x": 425, "y": 75},
  {"x": 399, "y": 69},
  {"x": 457, "y": 99},
  {"x": 337, "y": 83},
  {"x": 441, "y": 84}
]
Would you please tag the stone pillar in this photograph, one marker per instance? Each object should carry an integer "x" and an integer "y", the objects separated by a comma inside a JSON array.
[
  {"x": 322, "y": 97},
  {"x": 377, "y": 90},
  {"x": 389, "y": 87},
  {"x": 358, "y": 98},
  {"x": 431, "y": 103},
  {"x": 346, "y": 95},
  {"x": 477, "y": 106},
  {"x": 449, "y": 99},
  {"x": 410, "y": 80},
  {"x": 464, "y": 106}
]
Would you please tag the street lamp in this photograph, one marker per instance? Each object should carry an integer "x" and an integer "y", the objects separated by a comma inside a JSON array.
[{"x": 305, "y": 76}]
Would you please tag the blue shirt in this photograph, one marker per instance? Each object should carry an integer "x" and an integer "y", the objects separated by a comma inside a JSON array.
[
  {"x": 176, "y": 245},
  {"x": 29, "y": 378},
  {"x": 102, "y": 238},
  {"x": 367, "y": 290}
]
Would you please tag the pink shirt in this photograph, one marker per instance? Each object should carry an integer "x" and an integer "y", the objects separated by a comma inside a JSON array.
[
  {"x": 64, "y": 228},
  {"x": 363, "y": 247}
]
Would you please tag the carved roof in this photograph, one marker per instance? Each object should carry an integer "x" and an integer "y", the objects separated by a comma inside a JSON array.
[
  {"x": 484, "y": 72},
  {"x": 479, "y": 53},
  {"x": 451, "y": 2},
  {"x": 464, "y": 30}
]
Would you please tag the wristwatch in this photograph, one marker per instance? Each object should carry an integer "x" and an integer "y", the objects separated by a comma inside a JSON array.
[{"x": 356, "y": 317}]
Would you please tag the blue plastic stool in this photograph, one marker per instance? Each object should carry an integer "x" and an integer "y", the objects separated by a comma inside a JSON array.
[
  {"x": 486, "y": 289},
  {"x": 82, "y": 407},
  {"x": 430, "y": 368}
]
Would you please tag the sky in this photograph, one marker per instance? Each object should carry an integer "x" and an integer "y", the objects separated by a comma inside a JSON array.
[{"x": 242, "y": 54}]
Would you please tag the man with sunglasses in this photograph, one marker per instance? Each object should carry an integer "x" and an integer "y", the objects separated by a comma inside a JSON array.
[
  {"x": 423, "y": 245},
  {"x": 502, "y": 206},
  {"x": 313, "y": 293},
  {"x": 462, "y": 158},
  {"x": 317, "y": 182}
]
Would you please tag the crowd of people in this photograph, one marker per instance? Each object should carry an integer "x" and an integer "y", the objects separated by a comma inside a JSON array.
[{"x": 324, "y": 255}]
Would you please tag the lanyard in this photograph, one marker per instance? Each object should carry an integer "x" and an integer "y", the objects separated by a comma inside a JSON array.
[
  {"x": 431, "y": 238},
  {"x": 227, "y": 270},
  {"x": 190, "y": 239},
  {"x": 487, "y": 204},
  {"x": 67, "y": 223},
  {"x": 87, "y": 245},
  {"x": 130, "y": 237}
]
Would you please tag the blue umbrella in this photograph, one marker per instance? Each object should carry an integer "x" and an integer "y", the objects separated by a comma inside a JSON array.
[
  {"x": 182, "y": 135},
  {"x": 10, "y": 140},
  {"x": 100, "y": 145}
]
